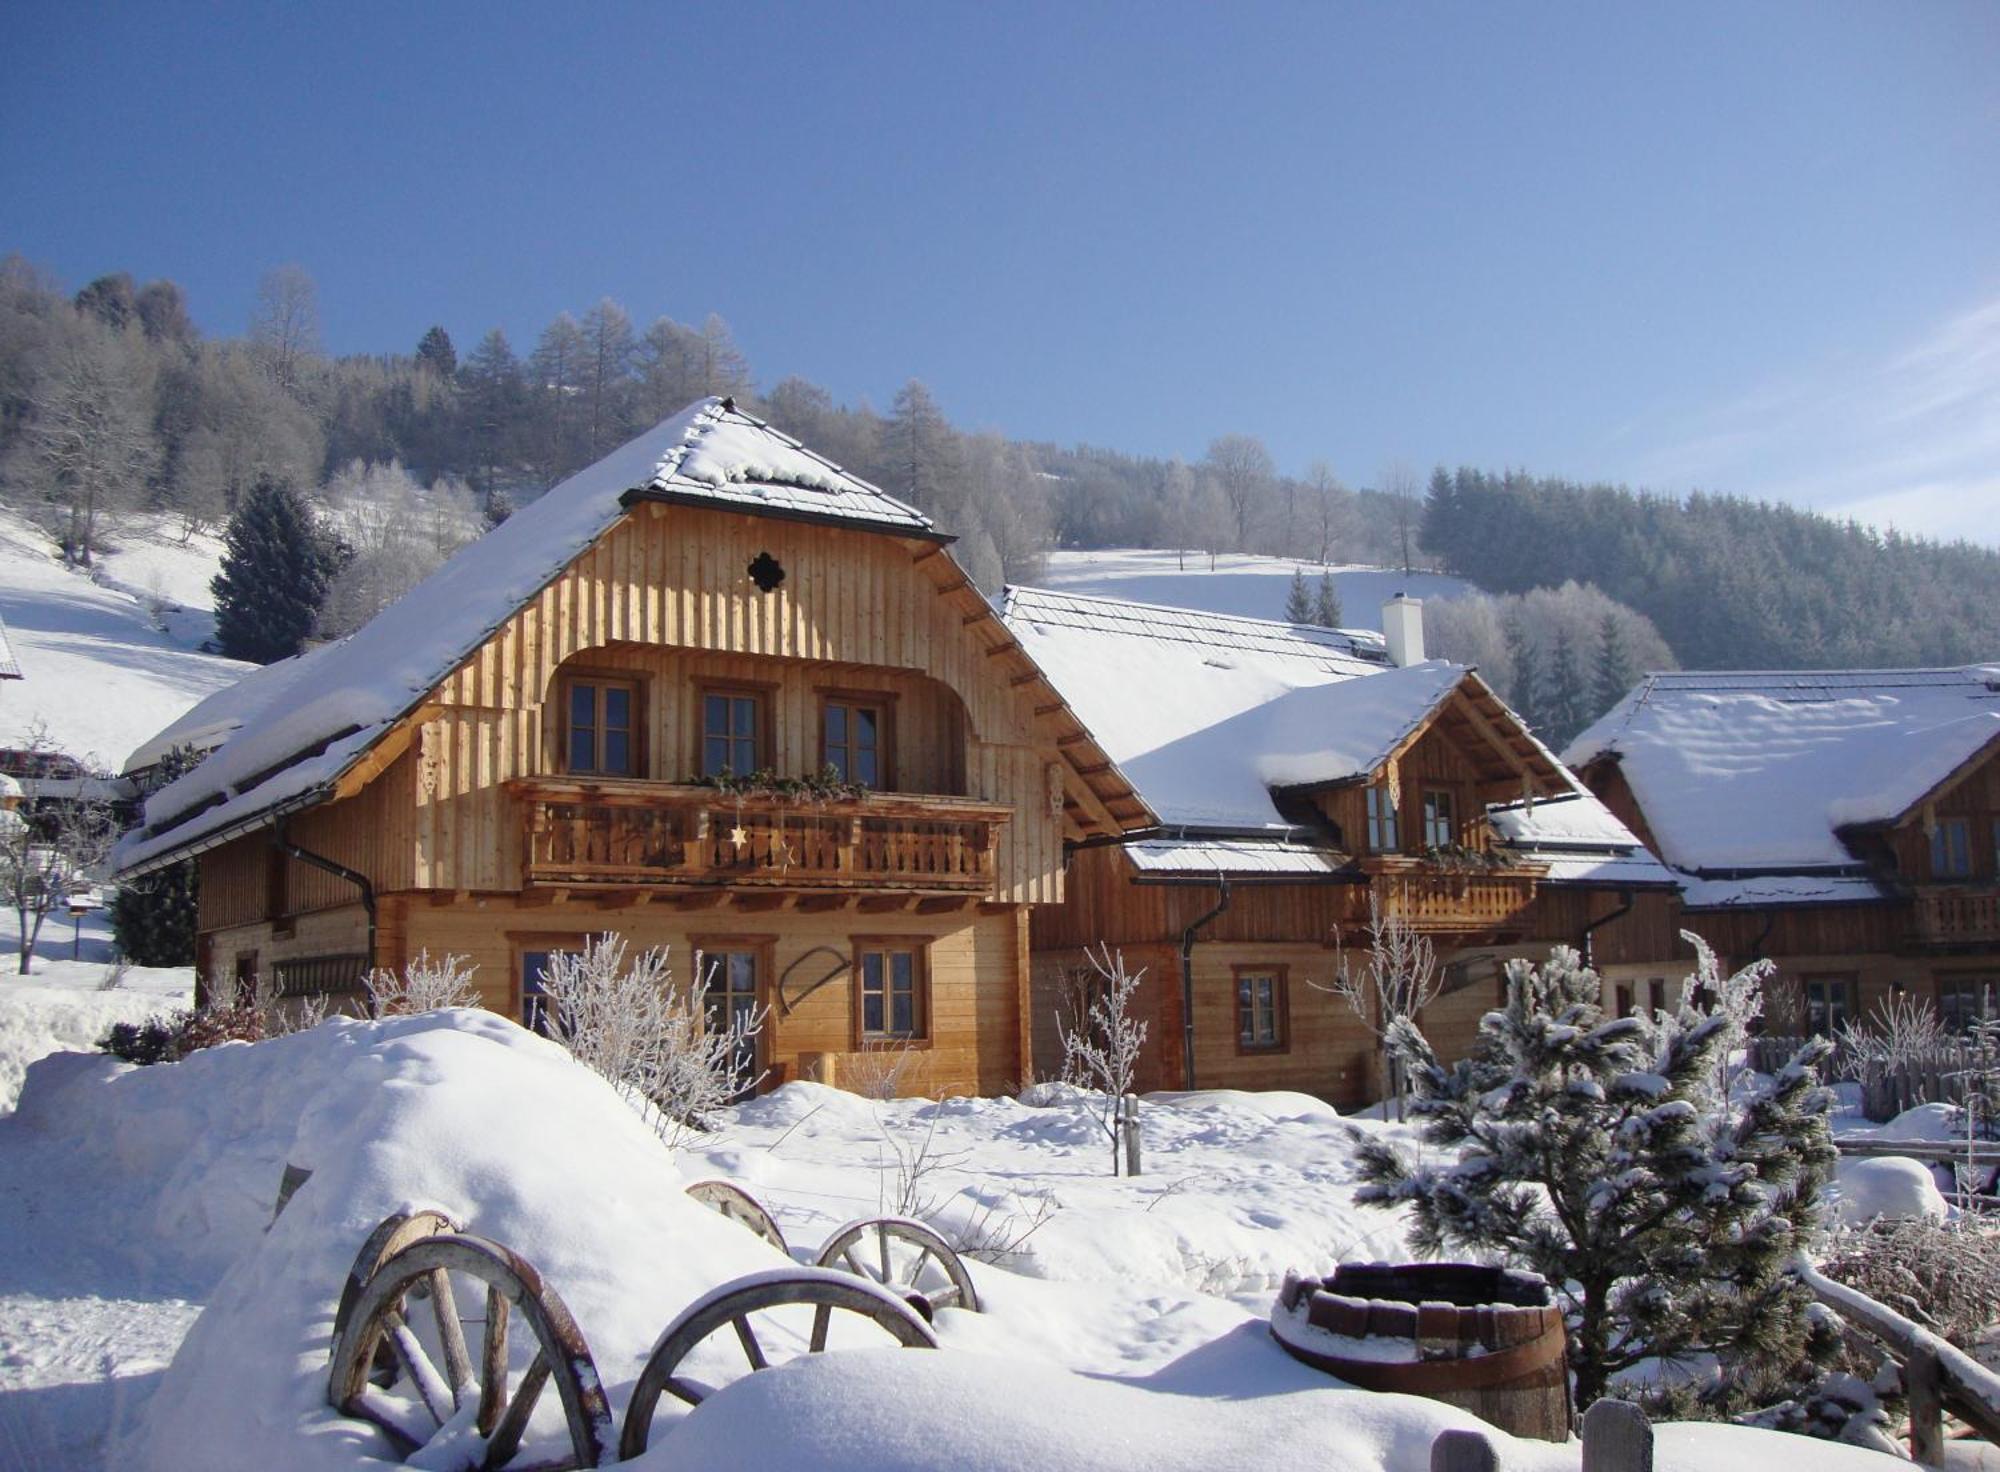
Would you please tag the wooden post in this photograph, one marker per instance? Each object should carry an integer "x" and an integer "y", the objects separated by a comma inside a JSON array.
[
  {"x": 1131, "y": 1128},
  {"x": 1617, "y": 1438},
  {"x": 1463, "y": 1451},
  {"x": 1920, "y": 1385}
]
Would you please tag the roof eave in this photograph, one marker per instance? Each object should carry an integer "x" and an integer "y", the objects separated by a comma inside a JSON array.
[{"x": 661, "y": 496}]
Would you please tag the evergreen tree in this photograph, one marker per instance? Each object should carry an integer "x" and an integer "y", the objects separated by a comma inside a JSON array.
[
  {"x": 1567, "y": 706},
  {"x": 276, "y": 568},
  {"x": 1615, "y": 672},
  {"x": 1298, "y": 602},
  {"x": 155, "y": 917},
  {"x": 1326, "y": 603},
  {"x": 1611, "y": 1157},
  {"x": 435, "y": 352},
  {"x": 1526, "y": 691}
]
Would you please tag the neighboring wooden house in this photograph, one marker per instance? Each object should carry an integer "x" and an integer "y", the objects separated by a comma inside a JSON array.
[
  {"x": 1299, "y": 774},
  {"x": 525, "y": 751},
  {"x": 1842, "y": 823}
]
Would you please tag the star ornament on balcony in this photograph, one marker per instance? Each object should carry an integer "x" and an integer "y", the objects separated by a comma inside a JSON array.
[{"x": 740, "y": 836}]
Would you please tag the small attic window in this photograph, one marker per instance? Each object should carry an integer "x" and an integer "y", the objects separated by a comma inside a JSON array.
[{"x": 766, "y": 572}]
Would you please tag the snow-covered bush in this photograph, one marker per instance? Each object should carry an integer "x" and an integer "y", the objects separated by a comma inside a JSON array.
[
  {"x": 1944, "y": 1275},
  {"x": 1609, "y": 1155},
  {"x": 423, "y": 986},
  {"x": 658, "y": 1045},
  {"x": 171, "y": 1036}
]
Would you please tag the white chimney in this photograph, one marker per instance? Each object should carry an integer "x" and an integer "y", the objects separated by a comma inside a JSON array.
[{"x": 1403, "y": 630}]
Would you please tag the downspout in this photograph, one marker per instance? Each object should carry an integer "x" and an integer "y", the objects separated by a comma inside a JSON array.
[
  {"x": 338, "y": 871},
  {"x": 1187, "y": 978},
  {"x": 1585, "y": 944},
  {"x": 1757, "y": 945}
]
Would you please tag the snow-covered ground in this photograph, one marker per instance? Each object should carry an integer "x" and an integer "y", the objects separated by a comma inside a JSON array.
[
  {"x": 106, "y": 662},
  {"x": 1255, "y": 587},
  {"x": 153, "y": 1316}
]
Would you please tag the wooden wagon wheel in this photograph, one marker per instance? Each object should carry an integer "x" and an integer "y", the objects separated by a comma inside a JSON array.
[
  {"x": 907, "y": 1258},
  {"x": 389, "y": 1238},
  {"x": 732, "y": 1305},
  {"x": 476, "y": 1391},
  {"x": 740, "y": 1207}
]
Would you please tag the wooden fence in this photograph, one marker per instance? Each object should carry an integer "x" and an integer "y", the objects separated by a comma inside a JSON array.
[{"x": 1941, "y": 1075}]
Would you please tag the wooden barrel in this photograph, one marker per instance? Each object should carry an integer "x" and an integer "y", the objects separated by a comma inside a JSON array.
[{"x": 1487, "y": 1339}]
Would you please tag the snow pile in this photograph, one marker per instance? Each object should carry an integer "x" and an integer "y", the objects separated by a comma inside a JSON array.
[
  {"x": 1892, "y": 1186},
  {"x": 67, "y": 1008},
  {"x": 461, "y": 1110}
]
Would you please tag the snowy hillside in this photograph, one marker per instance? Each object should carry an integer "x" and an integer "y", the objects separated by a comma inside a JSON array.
[
  {"x": 1254, "y": 587},
  {"x": 106, "y": 662}
]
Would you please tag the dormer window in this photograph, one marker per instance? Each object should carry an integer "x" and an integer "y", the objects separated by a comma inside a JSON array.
[
  {"x": 1951, "y": 849},
  {"x": 1440, "y": 819},
  {"x": 1384, "y": 836}
]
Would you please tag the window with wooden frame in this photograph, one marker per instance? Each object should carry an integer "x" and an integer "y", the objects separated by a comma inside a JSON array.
[
  {"x": 1829, "y": 1003},
  {"x": 1262, "y": 1008},
  {"x": 1623, "y": 992},
  {"x": 1656, "y": 993},
  {"x": 855, "y": 736},
  {"x": 1440, "y": 818},
  {"x": 1951, "y": 849},
  {"x": 600, "y": 726},
  {"x": 1964, "y": 997},
  {"x": 891, "y": 990},
  {"x": 734, "y": 971},
  {"x": 1383, "y": 834},
  {"x": 735, "y": 730}
]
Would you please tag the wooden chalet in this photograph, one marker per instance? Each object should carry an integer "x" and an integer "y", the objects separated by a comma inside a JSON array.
[
  {"x": 1842, "y": 823},
  {"x": 1300, "y": 774},
  {"x": 550, "y": 737}
]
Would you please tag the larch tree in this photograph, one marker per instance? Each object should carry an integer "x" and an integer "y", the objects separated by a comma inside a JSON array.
[
  {"x": 920, "y": 449},
  {"x": 492, "y": 398},
  {"x": 435, "y": 352},
  {"x": 276, "y": 567},
  {"x": 608, "y": 348}
]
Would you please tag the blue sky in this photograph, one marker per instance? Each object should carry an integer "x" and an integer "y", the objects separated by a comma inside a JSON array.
[{"x": 1751, "y": 248}]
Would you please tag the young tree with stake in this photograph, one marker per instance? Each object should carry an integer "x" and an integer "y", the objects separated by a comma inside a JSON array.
[
  {"x": 1103, "y": 1050},
  {"x": 1400, "y": 978}
]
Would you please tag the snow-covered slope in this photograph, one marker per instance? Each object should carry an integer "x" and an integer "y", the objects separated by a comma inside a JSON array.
[
  {"x": 97, "y": 670},
  {"x": 1253, "y": 587}
]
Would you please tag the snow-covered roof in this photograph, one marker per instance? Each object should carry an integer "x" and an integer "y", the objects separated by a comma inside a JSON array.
[
  {"x": 1231, "y": 856},
  {"x": 211, "y": 722},
  {"x": 1824, "y": 888},
  {"x": 1759, "y": 770},
  {"x": 1156, "y": 685},
  {"x": 286, "y": 753},
  {"x": 1580, "y": 840},
  {"x": 10, "y": 668}
]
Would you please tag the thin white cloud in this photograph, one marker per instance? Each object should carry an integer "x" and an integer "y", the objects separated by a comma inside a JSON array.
[{"x": 1911, "y": 440}]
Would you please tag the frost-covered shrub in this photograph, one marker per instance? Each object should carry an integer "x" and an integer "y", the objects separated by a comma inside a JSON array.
[
  {"x": 658, "y": 1045},
  {"x": 1944, "y": 1275},
  {"x": 1615, "y": 1157},
  {"x": 171, "y": 1036},
  {"x": 424, "y": 986}
]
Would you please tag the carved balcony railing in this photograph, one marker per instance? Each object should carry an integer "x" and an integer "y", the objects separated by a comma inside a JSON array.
[
  {"x": 1430, "y": 897},
  {"x": 1945, "y": 916},
  {"x": 627, "y": 832}
]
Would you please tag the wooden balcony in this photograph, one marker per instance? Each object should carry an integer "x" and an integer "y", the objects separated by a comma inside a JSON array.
[
  {"x": 1431, "y": 898},
  {"x": 1949, "y": 916},
  {"x": 627, "y": 832}
]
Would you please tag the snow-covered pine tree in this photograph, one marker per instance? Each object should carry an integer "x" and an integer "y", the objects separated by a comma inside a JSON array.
[
  {"x": 154, "y": 917},
  {"x": 276, "y": 568},
  {"x": 1326, "y": 603},
  {"x": 1599, "y": 1153},
  {"x": 1298, "y": 602}
]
